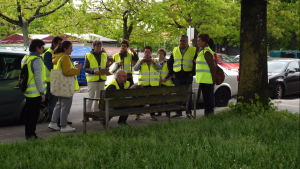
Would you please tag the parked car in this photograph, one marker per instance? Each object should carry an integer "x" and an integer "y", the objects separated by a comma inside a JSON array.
[
  {"x": 12, "y": 100},
  {"x": 223, "y": 92},
  {"x": 228, "y": 62},
  {"x": 283, "y": 77}
]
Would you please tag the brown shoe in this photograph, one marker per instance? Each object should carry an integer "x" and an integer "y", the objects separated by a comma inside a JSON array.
[
  {"x": 153, "y": 118},
  {"x": 137, "y": 117}
]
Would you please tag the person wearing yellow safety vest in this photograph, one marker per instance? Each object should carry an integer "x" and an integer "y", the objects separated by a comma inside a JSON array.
[
  {"x": 93, "y": 63},
  {"x": 47, "y": 56},
  {"x": 182, "y": 69},
  {"x": 62, "y": 60},
  {"x": 163, "y": 73},
  {"x": 205, "y": 71},
  {"x": 24, "y": 60},
  {"x": 120, "y": 83},
  {"x": 124, "y": 60},
  {"x": 36, "y": 89},
  {"x": 148, "y": 75}
]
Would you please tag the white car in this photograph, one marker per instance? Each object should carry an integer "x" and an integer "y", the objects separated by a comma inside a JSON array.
[{"x": 223, "y": 92}]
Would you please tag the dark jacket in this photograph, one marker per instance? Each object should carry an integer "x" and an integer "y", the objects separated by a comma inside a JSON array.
[{"x": 48, "y": 59}]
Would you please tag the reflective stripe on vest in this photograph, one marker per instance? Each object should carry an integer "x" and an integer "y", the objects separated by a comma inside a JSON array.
[
  {"x": 94, "y": 65},
  {"x": 32, "y": 90},
  {"x": 57, "y": 66},
  {"x": 163, "y": 74},
  {"x": 203, "y": 74},
  {"x": 185, "y": 62},
  {"x": 48, "y": 72},
  {"x": 148, "y": 77},
  {"x": 127, "y": 61}
]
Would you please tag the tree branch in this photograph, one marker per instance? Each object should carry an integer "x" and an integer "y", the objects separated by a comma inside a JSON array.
[
  {"x": 32, "y": 18},
  {"x": 12, "y": 21},
  {"x": 105, "y": 6}
]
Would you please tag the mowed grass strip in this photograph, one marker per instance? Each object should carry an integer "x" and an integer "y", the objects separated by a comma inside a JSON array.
[{"x": 224, "y": 140}]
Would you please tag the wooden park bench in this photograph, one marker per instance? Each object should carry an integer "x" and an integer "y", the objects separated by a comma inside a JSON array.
[{"x": 164, "y": 98}]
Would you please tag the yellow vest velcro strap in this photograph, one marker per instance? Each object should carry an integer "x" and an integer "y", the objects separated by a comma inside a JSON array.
[
  {"x": 177, "y": 65},
  {"x": 199, "y": 62},
  {"x": 34, "y": 85},
  {"x": 203, "y": 70},
  {"x": 151, "y": 73},
  {"x": 150, "y": 79},
  {"x": 187, "y": 60},
  {"x": 127, "y": 65},
  {"x": 177, "y": 60},
  {"x": 187, "y": 66}
]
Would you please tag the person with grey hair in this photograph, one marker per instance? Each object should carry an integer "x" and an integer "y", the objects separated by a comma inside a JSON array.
[
  {"x": 93, "y": 63},
  {"x": 182, "y": 68}
]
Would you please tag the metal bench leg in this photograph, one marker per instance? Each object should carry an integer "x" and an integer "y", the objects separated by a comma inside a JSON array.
[
  {"x": 195, "y": 106},
  {"x": 106, "y": 114},
  {"x": 84, "y": 119}
]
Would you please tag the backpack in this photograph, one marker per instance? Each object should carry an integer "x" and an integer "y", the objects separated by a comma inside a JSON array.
[
  {"x": 23, "y": 78},
  {"x": 220, "y": 76}
]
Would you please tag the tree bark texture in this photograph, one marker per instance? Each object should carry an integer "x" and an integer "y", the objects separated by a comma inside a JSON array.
[
  {"x": 25, "y": 32},
  {"x": 253, "y": 43}
]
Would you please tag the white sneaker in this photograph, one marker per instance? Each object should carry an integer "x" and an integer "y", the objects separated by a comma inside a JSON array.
[
  {"x": 53, "y": 126},
  {"x": 67, "y": 129}
]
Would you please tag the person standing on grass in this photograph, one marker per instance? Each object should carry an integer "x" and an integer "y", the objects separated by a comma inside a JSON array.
[
  {"x": 61, "y": 58},
  {"x": 124, "y": 60},
  {"x": 47, "y": 56},
  {"x": 93, "y": 63},
  {"x": 205, "y": 71},
  {"x": 148, "y": 75},
  {"x": 36, "y": 89},
  {"x": 182, "y": 69},
  {"x": 120, "y": 83},
  {"x": 211, "y": 46},
  {"x": 163, "y": 73}
]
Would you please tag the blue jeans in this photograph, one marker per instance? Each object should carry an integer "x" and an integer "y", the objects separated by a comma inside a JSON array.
[
  {"x": 51, "y": 101},
  {"x": 213, "y": 98},
  {"x": 184, "y": 81}
]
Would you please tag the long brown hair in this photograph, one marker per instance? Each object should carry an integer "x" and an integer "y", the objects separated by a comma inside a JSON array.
[{"x": 62, "y": 47}]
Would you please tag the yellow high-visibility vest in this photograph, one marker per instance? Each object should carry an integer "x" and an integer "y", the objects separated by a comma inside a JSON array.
[
  {"x": 203, "y": 74},
  {"x": 127, "y": 61},
  {"x": 163, "y": 74},
  {"x": 48, "y": 72},
  {"x": 32, "y": 90},
  {"x": 114, "y": 82},
  {"x": 24, "y": 60},
  {"x": 148, "y": 77},
  {"x": 57, "y": 66},
  {"x": 94, "y": 66},
  {"x": 186, "y": 61}
]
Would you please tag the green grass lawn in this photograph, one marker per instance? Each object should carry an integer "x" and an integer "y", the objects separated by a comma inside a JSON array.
[{"x": 224, "y": 140}]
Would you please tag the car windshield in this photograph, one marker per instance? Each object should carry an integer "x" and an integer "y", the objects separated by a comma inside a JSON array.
[
  {"x": 227, "y": 59},
  {"x": 276, "y": 67}
]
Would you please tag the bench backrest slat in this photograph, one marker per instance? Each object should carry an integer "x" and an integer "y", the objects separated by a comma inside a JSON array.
[
  {"x": 145, "y": 91},
  {"x": 135, "y": 101}
]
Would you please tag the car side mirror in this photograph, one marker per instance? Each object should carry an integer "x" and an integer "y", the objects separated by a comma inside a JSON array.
[{"x": 291, "y": 71}]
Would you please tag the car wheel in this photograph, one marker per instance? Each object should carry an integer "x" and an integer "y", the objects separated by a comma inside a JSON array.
[
  {"x": 278, "y": 92},
  {"x": 44, "y": 116},
  {"x": 222, "y": 97}
]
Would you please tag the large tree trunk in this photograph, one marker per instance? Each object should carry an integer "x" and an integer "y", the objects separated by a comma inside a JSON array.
[
  {"x": 253, "y": 42},
  {"x": 25, "y": 33}
]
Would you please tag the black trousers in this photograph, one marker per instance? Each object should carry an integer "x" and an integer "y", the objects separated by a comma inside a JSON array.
[
  {"x": 206, "y": 92},
  {"x": 33, "y": 106}
]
